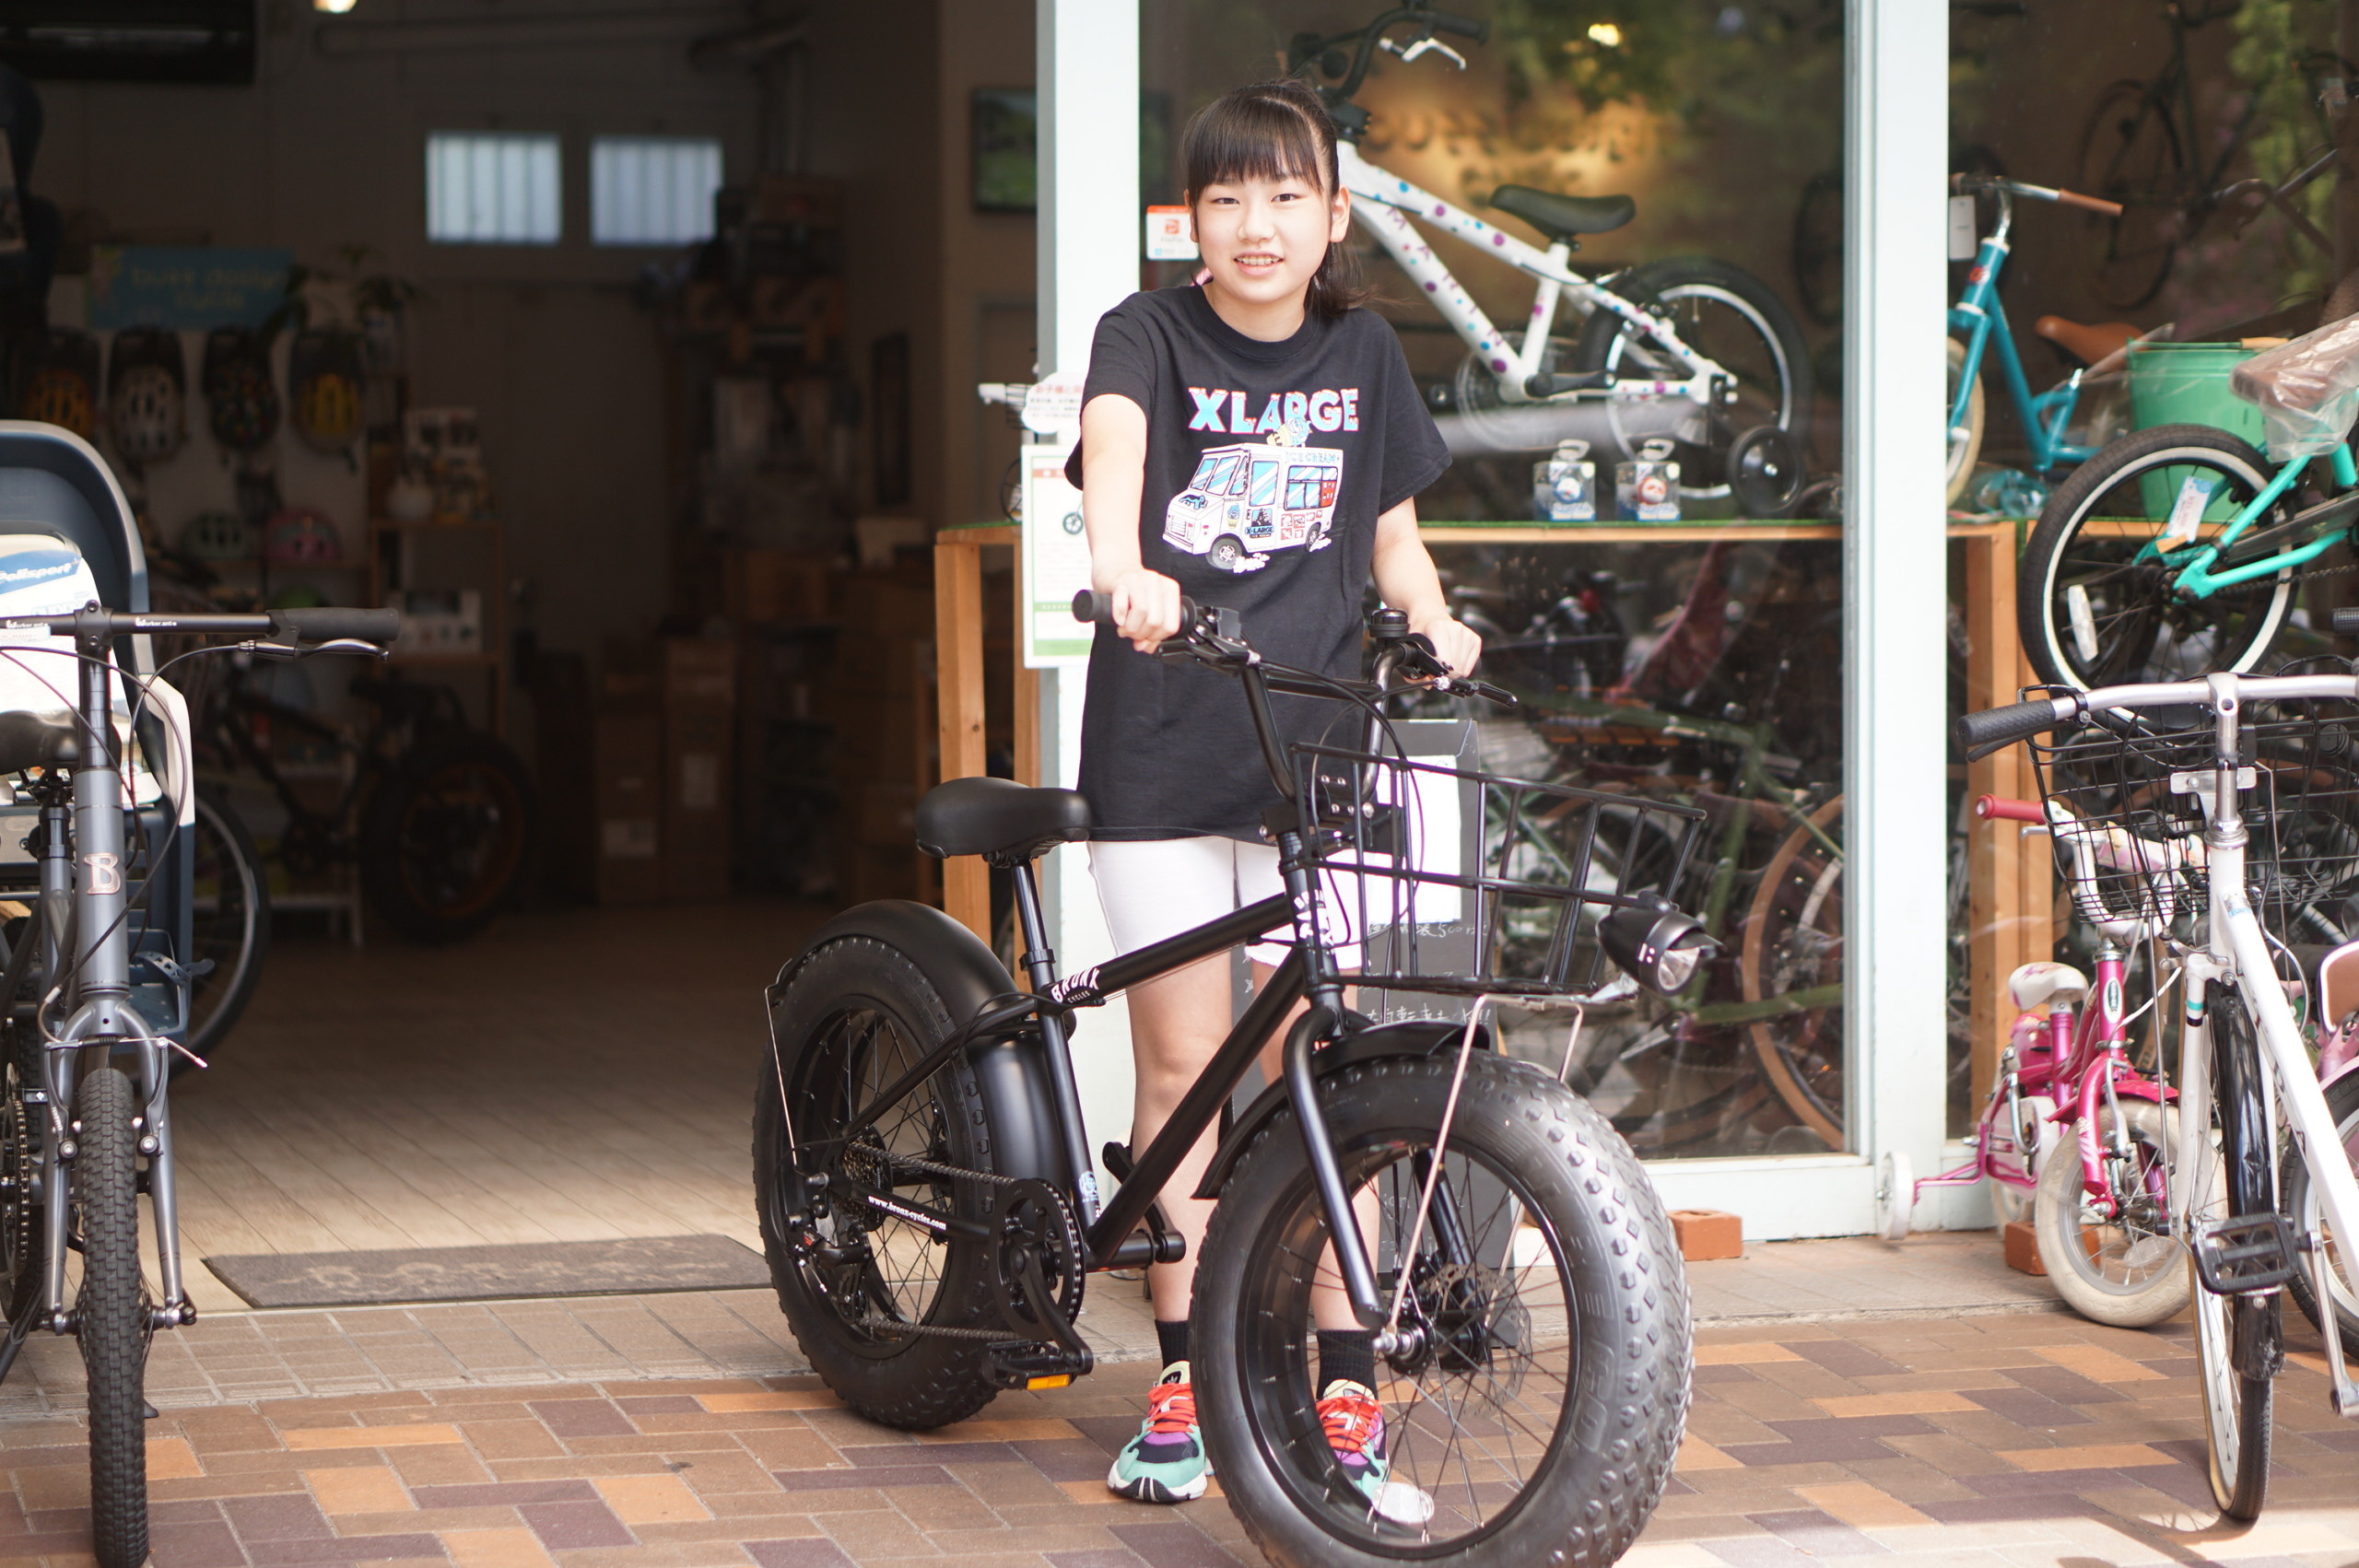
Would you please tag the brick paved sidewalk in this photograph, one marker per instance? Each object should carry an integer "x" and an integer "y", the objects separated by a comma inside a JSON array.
[{"x": 1998, "y": 1442}]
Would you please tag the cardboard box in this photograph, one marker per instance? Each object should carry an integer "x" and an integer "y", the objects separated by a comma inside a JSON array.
[
  {"x": 698, "y": 783},
  {"x": 780, "y": 585},
  {"x": 700, "y": 672},
  {"x": 628, "y": 783},
  {"x": 886, "y": 608},
  {"x": 1707, "y": 1233}
]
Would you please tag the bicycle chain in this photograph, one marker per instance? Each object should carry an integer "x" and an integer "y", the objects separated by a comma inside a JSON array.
[{"x": 876, "y": 1324}]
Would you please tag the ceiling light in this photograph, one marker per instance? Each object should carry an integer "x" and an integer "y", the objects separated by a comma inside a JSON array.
[
  {"x": 1605, "y": 33},
  {"x": 338, "y": 8}
]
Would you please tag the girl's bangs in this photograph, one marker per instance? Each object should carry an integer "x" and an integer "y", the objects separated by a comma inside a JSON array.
[{"x": 1246, "y": 137}]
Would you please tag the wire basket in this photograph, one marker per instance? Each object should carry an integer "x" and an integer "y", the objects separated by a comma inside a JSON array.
[
  {"x": 2134, "y": 810},
  {"x": 1460, "y": 883}
]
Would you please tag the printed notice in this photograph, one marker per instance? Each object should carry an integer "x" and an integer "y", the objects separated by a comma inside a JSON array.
[{"x": 1056, "y": 563}]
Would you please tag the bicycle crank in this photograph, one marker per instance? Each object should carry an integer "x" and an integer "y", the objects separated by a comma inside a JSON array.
[{"x": 1042, "y": 1266}]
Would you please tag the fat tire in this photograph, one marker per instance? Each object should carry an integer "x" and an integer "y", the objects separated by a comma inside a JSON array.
[
  {"x": 111, "y": 1317},
  {"x": 2342, "y": 1105},
  {"x": 921, "y": 1381},
  {"x": 1651, "y": 282},
  {"x": 231, "y": 985},
  {"x": 386, "y": 875},
  {"x": 1628, "y": 1397},
  {"x": 2056, "y": 1225},
  {"x": 2045, "y": 637}
]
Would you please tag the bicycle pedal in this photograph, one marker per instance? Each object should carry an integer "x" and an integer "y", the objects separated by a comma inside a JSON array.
[
  {"x": 1043, "y": 1364},
  {"x": 2244, "y": 1254}
]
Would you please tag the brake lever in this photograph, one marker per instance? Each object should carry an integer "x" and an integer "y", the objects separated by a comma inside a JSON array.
[{"x": 1426, "y": 45}]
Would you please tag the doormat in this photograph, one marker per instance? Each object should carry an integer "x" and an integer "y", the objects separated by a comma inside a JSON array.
[{"x": 640, "y": 1266}]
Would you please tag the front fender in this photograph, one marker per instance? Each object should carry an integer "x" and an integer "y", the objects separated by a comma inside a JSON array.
[
  {"x": 1010, "y": 1075},
  {"x": 1414, "y": 1037}
]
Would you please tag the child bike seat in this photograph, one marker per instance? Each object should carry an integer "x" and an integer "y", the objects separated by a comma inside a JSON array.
[
  {"x": 1561, "y": 217},
  {"x": 1002, "y": 821},
  {"x": 2089, "y": 342},
  {"x": 2036, "y": 985}
]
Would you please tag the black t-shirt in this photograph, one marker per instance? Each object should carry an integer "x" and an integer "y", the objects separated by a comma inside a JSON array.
[{"x": 1267, "y": 466}]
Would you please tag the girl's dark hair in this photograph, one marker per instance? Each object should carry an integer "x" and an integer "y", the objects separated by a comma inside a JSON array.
[{"x": 1274, "y": 131}]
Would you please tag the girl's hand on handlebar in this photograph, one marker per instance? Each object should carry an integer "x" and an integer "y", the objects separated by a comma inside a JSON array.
[
  {"x": 1146, "y": 607},
  {"x": 1453, "y": 644}
]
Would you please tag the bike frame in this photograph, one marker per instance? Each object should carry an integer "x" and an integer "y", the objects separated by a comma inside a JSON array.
[
  {"x": 2198, "y": 580},
  {"x": 1385, "y": 203},
  {"x": 1981, "y": 315}
]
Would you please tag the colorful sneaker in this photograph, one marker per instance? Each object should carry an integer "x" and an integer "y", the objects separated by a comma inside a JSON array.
[
  {"x": 1355, "y": 1426},
  {"x": 1165, "y": 1463}
]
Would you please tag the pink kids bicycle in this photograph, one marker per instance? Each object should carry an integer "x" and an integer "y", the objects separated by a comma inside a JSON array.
[{"x": 2102, "y": 1219}]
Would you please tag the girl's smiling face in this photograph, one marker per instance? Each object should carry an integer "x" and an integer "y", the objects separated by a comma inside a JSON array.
[{"x": 1262, "y": 238}]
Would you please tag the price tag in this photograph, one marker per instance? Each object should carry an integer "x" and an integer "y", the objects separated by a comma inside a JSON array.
[
  {"x": 1169, "y": 235},
  {"x": 2187, "y": 513},
  {"x": 1056, "y": 562}
]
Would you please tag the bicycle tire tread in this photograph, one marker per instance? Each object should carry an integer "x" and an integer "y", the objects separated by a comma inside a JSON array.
[{"x": 109, "y": 1319}]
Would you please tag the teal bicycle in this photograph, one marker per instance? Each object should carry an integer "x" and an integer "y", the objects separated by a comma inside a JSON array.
[{"x": 2179, "y": 551}]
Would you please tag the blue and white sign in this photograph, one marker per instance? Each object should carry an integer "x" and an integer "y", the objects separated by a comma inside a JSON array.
[{"x": 188, "y": 287}]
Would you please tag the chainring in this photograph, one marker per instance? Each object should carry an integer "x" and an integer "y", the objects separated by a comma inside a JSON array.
[
  {"x": 18, "y": 1214},
  {"x": 1033, "y": 1223}
]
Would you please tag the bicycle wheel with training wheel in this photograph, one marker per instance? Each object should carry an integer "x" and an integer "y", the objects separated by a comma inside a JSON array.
[
  {"x": 1537, "y": 1416},
  {"x": 1719, "y": 311},
  {"x": 1964, "y": 440},
  {"x": 2237, "y": 1337},
  {"x": 230, "y": 924},
  {"x": 2302, "y": 1205},
  {"x": 110, "y": 1315},
  {"x": 1793, "y": 948},
  {"x": 2124, "y": 1269},
  {"x": 2129, "y": 153},
  {"x": 2094, "y": 600},
  {"x": 852, "y": 1277},
  {"x": 446, "y": 836}
]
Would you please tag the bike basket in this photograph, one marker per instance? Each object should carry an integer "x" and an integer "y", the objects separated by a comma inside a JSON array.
[
  {"x": 2129, "y": 836},
  {"x": 1443, "y": 879}
]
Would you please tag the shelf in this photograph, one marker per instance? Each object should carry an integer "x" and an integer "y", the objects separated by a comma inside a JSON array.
[{"x": 428, "y": 525}]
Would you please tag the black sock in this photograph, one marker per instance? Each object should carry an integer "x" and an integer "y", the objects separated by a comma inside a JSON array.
[
  {"x": 1173, "y": 1340},
  {"x": 1346, "y": 1352}
]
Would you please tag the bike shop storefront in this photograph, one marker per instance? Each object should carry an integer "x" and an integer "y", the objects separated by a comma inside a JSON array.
[{"x": 1782, "y": 662}]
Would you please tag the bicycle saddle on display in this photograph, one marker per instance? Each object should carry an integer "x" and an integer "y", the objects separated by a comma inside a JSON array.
[
  {"x": 38, "y": 739},
  {"x": 1561, "y": 217},
  {"x": 1002, "y": 821},
  {"x": 2088, "y": 343},
  {"x": 2036, "y": 985}
]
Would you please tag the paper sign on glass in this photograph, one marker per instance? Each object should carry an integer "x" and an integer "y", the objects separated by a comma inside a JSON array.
[{"x": 1056, "y": 563}]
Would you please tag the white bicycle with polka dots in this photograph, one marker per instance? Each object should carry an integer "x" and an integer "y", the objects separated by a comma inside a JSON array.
[{"x": 1689, "y": 348}]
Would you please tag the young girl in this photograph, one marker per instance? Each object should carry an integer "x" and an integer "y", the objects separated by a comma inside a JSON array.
[{"x": 1252, "y": 439}]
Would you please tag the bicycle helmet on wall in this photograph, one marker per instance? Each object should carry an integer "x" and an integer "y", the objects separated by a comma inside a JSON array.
[
  {"x": 323, "y": 367},
  {"x": 240, "y": 398},
  {"x": 58, "y": 397},
  {"x": 218, "y": 536},
  {"x": 146, "y": 393},
  {"x": 301, "y": 535}
]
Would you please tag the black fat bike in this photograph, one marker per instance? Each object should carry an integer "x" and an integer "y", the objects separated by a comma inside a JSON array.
[
  {"x": 92, "y": 1010},
  {"x": 931, "y": 1214}
]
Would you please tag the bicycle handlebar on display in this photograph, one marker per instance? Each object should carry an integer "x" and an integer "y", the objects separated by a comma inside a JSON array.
[
  {"x": 1965, "y": 182},
  {"x": 1979, "y": 734},
  {"x": 1999, "y": 808},
  {"x": 325, "y": 623},
  {"x": 1310, "y": 48}
]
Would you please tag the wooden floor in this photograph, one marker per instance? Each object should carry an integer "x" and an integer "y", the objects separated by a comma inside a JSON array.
[{"x": 566, "y": 1077}]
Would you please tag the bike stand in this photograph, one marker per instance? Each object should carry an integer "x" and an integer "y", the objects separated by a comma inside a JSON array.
[{"x": 2343, "y": 1394}]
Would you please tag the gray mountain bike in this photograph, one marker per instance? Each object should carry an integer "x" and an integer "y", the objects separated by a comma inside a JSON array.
[{"x": 97, "y": 1005}]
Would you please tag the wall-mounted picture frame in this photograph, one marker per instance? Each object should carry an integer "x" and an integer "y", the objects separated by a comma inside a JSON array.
[{"x": 1006, "y": 149}]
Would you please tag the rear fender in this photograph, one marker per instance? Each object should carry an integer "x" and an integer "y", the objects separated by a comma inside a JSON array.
[
  {"x": 1415, "y": 1038},
  {"x": 1010, "y": 1075}
]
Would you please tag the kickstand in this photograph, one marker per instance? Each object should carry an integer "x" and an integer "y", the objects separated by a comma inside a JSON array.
[{"x": 2343, "y": 1394}]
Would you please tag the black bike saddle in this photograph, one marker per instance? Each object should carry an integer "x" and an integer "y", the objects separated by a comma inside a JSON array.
[
  {"x": 1561, "y": 217},
  {"x": 38, "y": 740}
]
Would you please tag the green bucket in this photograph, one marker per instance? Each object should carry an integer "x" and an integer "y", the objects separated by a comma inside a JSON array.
[{"x": 2187, "y": 383}]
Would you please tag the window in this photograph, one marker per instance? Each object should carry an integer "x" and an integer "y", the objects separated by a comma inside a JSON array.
[
  {"x": 653, "y": 190},
  {"x": 492, "y": 188},
  {"x": 1265, "y": 484}
]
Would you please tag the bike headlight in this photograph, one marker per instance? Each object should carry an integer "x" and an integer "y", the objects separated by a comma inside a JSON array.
[{"x": 1655, "y": 944}]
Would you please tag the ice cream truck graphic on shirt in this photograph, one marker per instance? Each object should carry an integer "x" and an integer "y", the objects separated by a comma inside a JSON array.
[{"x": 1250, "y": 498}]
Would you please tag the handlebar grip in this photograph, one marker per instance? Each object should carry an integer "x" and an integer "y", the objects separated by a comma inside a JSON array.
[
  {"x": 325, "y": 623},
  {"x": 1091, "y": 606},
  {"x": 1979, "y": 734},
  {"x": 1464, "y": 27},
  {"x": 2091, "y": 204},
  {"x": 2346, "y": 621},
  {"x": 1999, "y": 808}
]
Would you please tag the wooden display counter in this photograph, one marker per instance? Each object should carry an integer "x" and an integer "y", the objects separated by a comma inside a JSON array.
[{"x": 2011, "y": 892}]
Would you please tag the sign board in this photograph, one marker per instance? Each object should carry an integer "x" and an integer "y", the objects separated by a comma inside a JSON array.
[
  {"x": 1052, "y": 408},
  {"x": 1055, "y": 564},
  {"x": 187, "y": 288},
  {"x": 1168, "y": 236}
]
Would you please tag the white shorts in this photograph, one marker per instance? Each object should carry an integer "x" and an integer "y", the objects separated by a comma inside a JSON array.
[{"x": 1153, "y": 889}]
